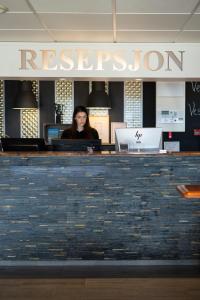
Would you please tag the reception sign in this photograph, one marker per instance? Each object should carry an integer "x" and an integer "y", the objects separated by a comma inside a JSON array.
[{"x": 57, "y": 60}]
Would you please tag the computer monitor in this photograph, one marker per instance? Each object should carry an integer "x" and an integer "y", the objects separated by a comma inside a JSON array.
[
  {"x": 53, "y": 131},
  {"x": 138, "y": 139},
  {"x": 75, "y": 144},
  {"x": 23, "y": 144}
]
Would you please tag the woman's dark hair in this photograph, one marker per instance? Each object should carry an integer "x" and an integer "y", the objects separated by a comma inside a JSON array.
[{"x": 77, "y": 110}]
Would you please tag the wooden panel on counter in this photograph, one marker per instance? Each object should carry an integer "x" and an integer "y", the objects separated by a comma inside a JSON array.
[
  {"x": 189, "y": 191},
  {"x": 95, "y": 153}
]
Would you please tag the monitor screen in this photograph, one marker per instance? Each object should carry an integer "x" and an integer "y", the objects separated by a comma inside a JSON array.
[
  {"x": 53, "y": 131},
  {"x": 134, "y": 139},
  {"x": 76, "y": 144}
]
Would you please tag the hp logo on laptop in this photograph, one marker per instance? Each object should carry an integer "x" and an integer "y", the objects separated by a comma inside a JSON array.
[{"x": 138, "y": 135}]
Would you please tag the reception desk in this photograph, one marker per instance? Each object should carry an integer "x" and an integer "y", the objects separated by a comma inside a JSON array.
[{"x": 60, "y": 206}]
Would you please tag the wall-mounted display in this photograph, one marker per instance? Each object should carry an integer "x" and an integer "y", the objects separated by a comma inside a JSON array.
[{"x": 171, "y": 117}]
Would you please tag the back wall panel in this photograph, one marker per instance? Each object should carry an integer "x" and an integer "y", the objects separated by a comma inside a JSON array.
[
  {"x": 149, "y": 104},
  {"x": 47, "y": 100},
  {"x": 12, "y": 116}
]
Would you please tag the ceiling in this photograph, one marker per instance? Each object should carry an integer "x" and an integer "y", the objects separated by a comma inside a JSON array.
[{"x": 101, "y": 21}]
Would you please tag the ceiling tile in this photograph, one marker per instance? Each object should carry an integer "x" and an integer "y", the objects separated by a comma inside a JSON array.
[
  {"x": 76, "y": 21},
  {"x": 155, "y": 6},
  {"x": 151, "y": 22},
  {"x": 146, "y": 36},
  {"x": 198, "y": 10},
  {"x": 189, "y": 37},
  {"x": 193, "y": 23},
  {"x": 16, "y": 5},
  {"x": 83, "y": 36},
  {"x": 86, "y": 6},
  {"x": 24, "y": 36},
  {"x": 19, "y": 21}
]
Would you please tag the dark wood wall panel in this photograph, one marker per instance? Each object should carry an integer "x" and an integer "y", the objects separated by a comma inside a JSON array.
[
  {"x": 47, "y": 100},
  {"x": 149, "y": 104},
  {"x": 12, "y": 116},
  {"x": 81, "y": 93},
  {"x": 116, "y": 93}
]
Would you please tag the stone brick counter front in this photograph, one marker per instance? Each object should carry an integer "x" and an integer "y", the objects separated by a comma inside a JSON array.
[{"x": 58, "y": 206}]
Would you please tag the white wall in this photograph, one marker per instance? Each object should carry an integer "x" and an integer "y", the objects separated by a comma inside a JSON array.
[{"x": 170, "y": 97}]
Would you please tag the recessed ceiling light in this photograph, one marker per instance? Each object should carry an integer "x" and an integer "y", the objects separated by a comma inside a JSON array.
[{"x": 3, "y": 9}]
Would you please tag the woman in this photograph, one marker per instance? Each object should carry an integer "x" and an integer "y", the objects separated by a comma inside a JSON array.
[{"x": 80, "y": 128}]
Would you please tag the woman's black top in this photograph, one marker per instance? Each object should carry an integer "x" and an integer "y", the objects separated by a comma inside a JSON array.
[{"x": 90, "y": 134}]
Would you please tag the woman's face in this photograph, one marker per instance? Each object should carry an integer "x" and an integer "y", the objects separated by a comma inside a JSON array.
[{"x": 81, "y": 118}]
